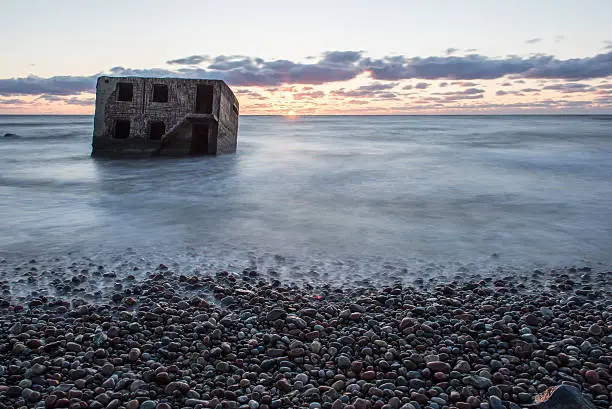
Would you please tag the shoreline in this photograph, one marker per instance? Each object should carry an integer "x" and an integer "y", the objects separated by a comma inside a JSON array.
[{"x": 247, "y": 340}]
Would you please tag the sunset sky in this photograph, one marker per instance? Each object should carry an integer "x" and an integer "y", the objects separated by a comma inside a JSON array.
[{"x": 317, "y": 57}]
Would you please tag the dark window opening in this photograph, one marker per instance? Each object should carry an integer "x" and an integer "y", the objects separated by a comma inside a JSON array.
[
  {"x": 122, "y": 129},
  {"x": 160, "y": 93},
  {"x": 235, "y": 109},
  {"x": 204, "y": 99},
  {"x": 125, "y": 91},
  {"x": 157, "y": 129}
]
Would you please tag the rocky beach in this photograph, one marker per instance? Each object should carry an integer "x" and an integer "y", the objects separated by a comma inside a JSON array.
[{"x": 155, "y": 338}]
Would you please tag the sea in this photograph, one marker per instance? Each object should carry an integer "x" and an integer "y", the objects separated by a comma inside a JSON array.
[{"x": 345, "y": 199}]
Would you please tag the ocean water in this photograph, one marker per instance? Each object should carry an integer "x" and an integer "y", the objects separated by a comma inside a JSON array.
[{"x": 340, "y": 198}]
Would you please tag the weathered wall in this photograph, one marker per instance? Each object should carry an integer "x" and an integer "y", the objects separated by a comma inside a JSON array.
[
  {"x": 227, "y": 136},
  {"x": 141, "y": 111}
]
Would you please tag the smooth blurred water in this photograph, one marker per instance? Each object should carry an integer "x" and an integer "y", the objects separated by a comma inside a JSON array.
[{"x": 324, "y": 193}]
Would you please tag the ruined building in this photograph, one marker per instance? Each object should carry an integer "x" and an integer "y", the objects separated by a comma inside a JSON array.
[{"x": 164, "y": 116}]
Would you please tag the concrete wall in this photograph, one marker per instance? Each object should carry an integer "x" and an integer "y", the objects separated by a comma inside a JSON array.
[
  {"x": 227, "y": 136},
  {"x": 141, "y": 111}
]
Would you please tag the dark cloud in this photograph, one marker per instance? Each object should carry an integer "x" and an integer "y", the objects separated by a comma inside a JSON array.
[
  {"x": 335, "y": 66},
  {"x": 421, "y": 85},
  {"x": 250, "y": 94},
  {"x": 191, "y": 60},
  {"x": 49, "y": 98},
  {"x": 533, "y": 40},
  {"x": 378, "y": 86},
  {"x": 465, "y": 83},
  {"x": 81, "y": 102},
  {"x": 13, "y": 101},
  {"x": 309, "y": 95},
  {"x": 443, "y": 84},
  {"x": 407, "y": 87},
  {"x": 608, "y": 45},
  {"x": 64, "y": 99},
  {"x": 570, "y": 87},
  {"x": 519, "y": 81},
  {"x": 362, "y": 93},
  {"x": 476, "y": 66},
  {"x": 468, "y": 93},
  {"x": 530, "y": 90},
  {"x": 58, "y": 85},
  {"x": 342, "y": 57},
  {"x": 506, "y": 84},
  {"x": 451, "y": 50},
  {"x": 502, "y": 93},
  {"x": 605, "y": 86},
  {"x": 358, "y": 102}
]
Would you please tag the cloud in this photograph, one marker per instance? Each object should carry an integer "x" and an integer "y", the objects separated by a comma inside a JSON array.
[
  {"x": 358, "y": 102},
  {"x": 530, "y": 90},
  {"x": 64, "y": 99},
  {"x": 533, "y": 40},
  {"x": 362, "y": 93},
  {"x": 422, "y": 85},
  {"x": 465, "y": 83},
  {"x": 378, "y": 86},
  {"x": 477, "y": 66},
  {"x": 342, "y": 57},
  {"x": 331, "y": 67},
  {"x": 58, "y": 85},
  {"x": 443, "y": 84},
  {"x": 13, "y": 101},
  {"x": 608, "y": 45},
  {"x": 308, "y": 95},
  {"x": 502, "y": 93},
  {"x": 407, "y": 87},
  {"x": 570, "y": 87},
  {"x": 191, "y": 60},
  {"x": 81, "y": 102},
  {"x": 451, "y": 50},
  {"x": 468, "y": 93},
  {"x": 506, "y": 84},
  {"x": 558, "y": 39},
  {"x": 250, "y": 94}
]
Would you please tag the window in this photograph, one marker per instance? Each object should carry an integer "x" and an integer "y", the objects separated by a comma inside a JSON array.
[
  {"x": 125, "y": 91},
  {"x": 204, "y": 99},
  {"x": 160, "y": 93},
  {"x": 157, "y": 129},
  {"x": 122, "y": 129}
]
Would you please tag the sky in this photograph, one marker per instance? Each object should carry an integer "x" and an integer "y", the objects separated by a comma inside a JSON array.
[{"x": 317, "y": 57}]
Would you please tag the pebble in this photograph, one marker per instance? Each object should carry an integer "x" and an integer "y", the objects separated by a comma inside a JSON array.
[{"x": 161, "y": 340}]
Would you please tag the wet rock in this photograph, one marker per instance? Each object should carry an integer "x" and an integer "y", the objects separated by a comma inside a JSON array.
[{"x": 563, "y": 397}]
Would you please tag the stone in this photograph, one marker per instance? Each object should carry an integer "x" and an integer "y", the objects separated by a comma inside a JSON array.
[
  {"x": 276, "y": 314},
  {"x": 479, "y": 382},
  {"x": 563, "y": 397},
  {"x": 439, "y": 366},
  {"x": 134, "y": 354},
  {"x": 148, "y": 404}
]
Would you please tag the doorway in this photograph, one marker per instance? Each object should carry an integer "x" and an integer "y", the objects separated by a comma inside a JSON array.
[
  {"x": 204, "y": 99},
  {"x": 199, "y": 139}
]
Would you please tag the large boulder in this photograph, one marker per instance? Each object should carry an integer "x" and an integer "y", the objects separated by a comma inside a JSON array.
[{"x": 562, "y": 397}]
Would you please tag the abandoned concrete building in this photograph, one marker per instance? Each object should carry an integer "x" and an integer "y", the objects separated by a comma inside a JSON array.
[{"x": 164, "y": 116}]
